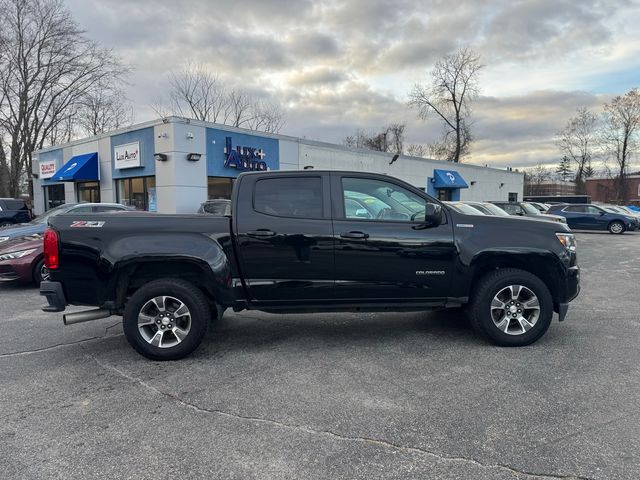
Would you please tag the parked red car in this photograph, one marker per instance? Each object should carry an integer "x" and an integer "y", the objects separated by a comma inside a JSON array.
[{"x": 21, "y": 260}]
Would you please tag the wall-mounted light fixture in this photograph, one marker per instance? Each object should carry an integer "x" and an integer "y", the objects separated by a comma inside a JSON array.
[
  {"x": 473, "y": 182},
  {"x": 194, "y": 157},
  {"x": 308, "y": 167},
  {"x": 160, "y": 157},
  {"x": 501, "y": 185},
  {"x": 190, "y": 135}
]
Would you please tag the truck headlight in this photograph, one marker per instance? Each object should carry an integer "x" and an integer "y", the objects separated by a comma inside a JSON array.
[
  {"x": 18, "y": 254},
  {"x": 567, "y": 240}
]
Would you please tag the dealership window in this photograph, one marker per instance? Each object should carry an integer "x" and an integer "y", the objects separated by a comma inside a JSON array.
[
  {"x": 513, "y": 196},
  {"x": 88, "y": 192},
  {"x": 219, "y": 187},
  {"x": 444, "y": 194},
  {"x": 138, "y": 192},
  {"x": 53, "y": 196}
]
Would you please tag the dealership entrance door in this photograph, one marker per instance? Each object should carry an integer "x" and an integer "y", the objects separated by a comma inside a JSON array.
[
  {"x": 53, "y": 196},
  {"x": 88, "y": 192}
]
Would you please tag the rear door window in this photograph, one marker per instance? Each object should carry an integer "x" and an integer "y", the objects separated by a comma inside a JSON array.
[
  {"x": 289, "y": 197},
  {"x": 575, "y": 209},
  {"x": 15, "y": 205}
]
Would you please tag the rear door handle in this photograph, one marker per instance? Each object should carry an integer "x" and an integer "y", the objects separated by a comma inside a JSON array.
[
  {"x": 354, "y": 235},
  {"x": 261, "y": 233}
]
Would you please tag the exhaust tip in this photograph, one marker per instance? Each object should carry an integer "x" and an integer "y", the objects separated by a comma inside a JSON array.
[{"x": 86, "y": 316}]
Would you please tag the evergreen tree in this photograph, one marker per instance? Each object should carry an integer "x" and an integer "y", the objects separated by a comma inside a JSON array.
[{"x": 564, "y": 168}]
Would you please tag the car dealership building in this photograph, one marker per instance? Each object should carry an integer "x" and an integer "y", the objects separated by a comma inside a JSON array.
[{"x": 171, "y": 165}]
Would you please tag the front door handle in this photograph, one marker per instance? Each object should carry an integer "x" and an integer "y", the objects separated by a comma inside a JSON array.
[
  {"x": 261, "y": 233},
  {"x": 354, "y": 235}
]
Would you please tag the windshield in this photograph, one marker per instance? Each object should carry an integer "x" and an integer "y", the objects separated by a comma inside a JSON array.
[
  {"x": 464, "y": 208},
  {"x": 530, "y": 209},
  {"x": 51, "y": 213},
  {"x": 495, "y": 210}
]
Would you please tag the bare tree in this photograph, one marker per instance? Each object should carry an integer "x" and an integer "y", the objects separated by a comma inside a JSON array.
[
  {"x": 453, "y": 86},
  {"x": 620, "y": 135},
  {"x": 104, "y": 109},
  {"x": 47, "y": 66},
  {"x": 577, "y": 141},
  {"x": 418, "y": 150},
  {"x": 535, "y": 177},
  {"x": 390, "y": 139},
  {"x": 198, "y": 93},
  {"x": 267, "y": 117}
]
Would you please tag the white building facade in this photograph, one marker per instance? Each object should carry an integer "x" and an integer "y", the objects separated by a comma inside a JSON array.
[{"x": 174, "y": 164}]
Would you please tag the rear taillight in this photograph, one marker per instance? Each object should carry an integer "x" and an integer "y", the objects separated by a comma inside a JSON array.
[{"x": 51, "y": 258}]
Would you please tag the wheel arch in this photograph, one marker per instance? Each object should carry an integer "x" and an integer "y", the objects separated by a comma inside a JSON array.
[
  {"x": 130, "y": 276},
  {"x": 544, "y": 266}
]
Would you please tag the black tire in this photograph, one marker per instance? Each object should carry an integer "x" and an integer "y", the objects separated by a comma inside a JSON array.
[
  {"x": 185, "y": 292},
  {"x": 38, "y": 272},
  {"x": 616, "y": 227},
  {"x": 487, "y": 288}
]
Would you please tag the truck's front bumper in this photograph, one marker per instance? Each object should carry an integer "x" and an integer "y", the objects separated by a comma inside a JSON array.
[
  {"x": 55, "y": 296},
  {"x": 571, "y": 291}
]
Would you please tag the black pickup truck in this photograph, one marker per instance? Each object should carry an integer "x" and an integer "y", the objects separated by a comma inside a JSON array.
[{"x": 312, "y": 241}]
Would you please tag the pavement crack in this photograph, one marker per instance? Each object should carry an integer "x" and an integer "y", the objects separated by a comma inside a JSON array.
[
  {"x": 61, "y": 345},
  {"x": 328, "y": 433}
]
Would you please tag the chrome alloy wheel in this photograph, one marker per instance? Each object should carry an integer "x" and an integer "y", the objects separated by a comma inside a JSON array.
[
  {"x": 617, "y": 227},
  {"x": 515, "y": 310},
  {"x": 44, "y": 273},
  {"x": 164, "y": 321}
]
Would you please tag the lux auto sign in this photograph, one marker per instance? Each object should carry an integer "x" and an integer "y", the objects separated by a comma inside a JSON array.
[{"x": 244, "y": 158}]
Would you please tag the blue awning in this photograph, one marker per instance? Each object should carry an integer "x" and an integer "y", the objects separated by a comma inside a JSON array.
[
  {"x": 448, "y": 179},
  {"x": 79, "y": 168}
]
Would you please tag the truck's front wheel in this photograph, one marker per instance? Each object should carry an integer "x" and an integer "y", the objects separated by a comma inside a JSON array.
[
  {"x": 166, "y": 319},
  {"x": 512, "y": 307}
]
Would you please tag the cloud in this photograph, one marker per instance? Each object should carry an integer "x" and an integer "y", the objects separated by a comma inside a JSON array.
[{"x": 338, "y": 65}]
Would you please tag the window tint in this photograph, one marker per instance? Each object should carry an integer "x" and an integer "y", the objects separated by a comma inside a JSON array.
[
  {"x": 575, "y": 209},
  {"x": 511, "y": 208},
  {"x": 591, "y": 209},
  {"x": 380, "y": 201},
  {"x": 107, "y": 208},
  {"x": 83, "y": 209},
  {"x": 217, "y": 208},
  {"x": 15, "y": 205},
  {"x": 289, "y": 197}
]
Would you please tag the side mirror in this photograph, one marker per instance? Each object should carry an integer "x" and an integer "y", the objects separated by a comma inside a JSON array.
[
  {"x": 602, "y": 213},
  {"x": 433, "y": 214}
]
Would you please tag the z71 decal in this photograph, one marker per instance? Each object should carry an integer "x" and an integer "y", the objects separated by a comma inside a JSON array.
[{"x": 86, "y": 224}]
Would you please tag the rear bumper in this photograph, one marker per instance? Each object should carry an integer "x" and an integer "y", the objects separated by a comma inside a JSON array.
[{"x": 55, "y": 296}]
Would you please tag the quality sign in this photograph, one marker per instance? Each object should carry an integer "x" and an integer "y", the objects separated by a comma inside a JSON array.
[{"x": 47, "y": 168}]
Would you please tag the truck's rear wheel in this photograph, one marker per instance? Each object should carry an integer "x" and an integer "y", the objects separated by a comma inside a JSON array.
[
  {"x": 166, "y": 319},
  {"x": 512, "y": 307}
]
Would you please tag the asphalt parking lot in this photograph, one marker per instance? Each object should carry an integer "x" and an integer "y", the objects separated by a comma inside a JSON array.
[{"x": 408, "y": 395}]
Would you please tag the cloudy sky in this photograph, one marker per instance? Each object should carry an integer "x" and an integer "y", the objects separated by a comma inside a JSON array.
[{"x": 339, "y": 65}]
